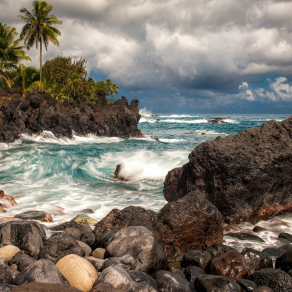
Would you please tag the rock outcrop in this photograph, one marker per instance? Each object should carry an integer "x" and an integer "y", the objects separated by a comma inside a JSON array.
[
  {"x": 39, "y": 112},
  {"x": 247, "y": 176}
]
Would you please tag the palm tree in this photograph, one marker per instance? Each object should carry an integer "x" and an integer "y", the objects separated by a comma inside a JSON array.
[
  {"x": 73, "y": 83},
  {"x": 10, "y": 53},
  {"x": 38, "y": 29}
]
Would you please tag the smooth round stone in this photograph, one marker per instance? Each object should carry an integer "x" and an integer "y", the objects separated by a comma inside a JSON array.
[
  {"x": 174, "y": 266},
  {"x": 7, "y": 252},
  {"x": 86, "y": 248},
  {"x": 99, "y": 253},
  {"x": 247, "y": 285},
  {"x": 79, "y": 272},
  {"x": 287, "y": 236},
  {"x": 245, "y": 236},
  {"x": 258, "y": 229},
  {"x": 84, "y": 219},
  {"x": 97, "y": 263},
  {"x": 273, "y": 252},
  {"x": 284, "y": 261},
  {"x": 74, "y": 232},
  {"x": 179, "y": 273}
]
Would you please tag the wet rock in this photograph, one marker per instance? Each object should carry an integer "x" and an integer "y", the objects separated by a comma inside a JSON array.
[
  {"x": 118, "y": 278},
  {"x": 87, "y": 235},
  {"x": 197, "y": 258},
  {"x": 84, "y": 219},
  {"x": 2, "y": 210},
  {"x": 277, "y": 280},
  {"x": 125, "y": 262},
  {"x": 43, "y": 271},
  {"x": 79, "y": 272},
  {"x": 142, "y": 278},
  {"x": 230, "y": 264},
  {"x": 7, "y": 287},
  {"x": 192, "y": 274},
  {"x": 246, "y": 176},
  {"x": 263, "y": 289},
  {"x": 245, "y": 236},
  {"x": 103, "y": 240},
  {"x": 87, "y": 211},
  {"x": 58, "y": 246},
  {"x": 9, "y": 201},
  {"x": 99, "y": 253},
  {"x": 73, "y": 232},
  {"x": 97, "y": 263},
  {"x": 247, "y": 285},
  {"x": 27, "y": 236},
  {"x": 45, "y": 287},
  {"x": 284, "y": 261},
  {"x": 35, "y": 215},
  {"x": 205, "y": 283},
  {"x": 256, "y": 260},
  {"x": 38, "y": 112},
  {"x": 258, "y": 229},
  {"x": 167, "y": 281},
  {"x": 218, "y": 249},
  {"x": 130, "y": 216},
  {"x": 7, "y": 252},
  {"x": 273, "y": 252},
  {"x": 286, "y": 236},
  {"x": 189, "y": 223},
  {"x": 174, "y": 266},
  {"x": 85, "y": 247},
  {"x": 6, "y": 274},
  {"x": 140, "y": 243},
  {"x": 179, "y": 273},
  {"x": 21, "y": 260}
]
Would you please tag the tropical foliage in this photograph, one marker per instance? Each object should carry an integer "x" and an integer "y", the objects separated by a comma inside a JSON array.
[{"x": 62, "y": 77}]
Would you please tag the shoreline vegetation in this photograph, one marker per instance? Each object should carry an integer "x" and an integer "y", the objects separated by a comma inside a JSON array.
[{"x": 179, "y": 249}]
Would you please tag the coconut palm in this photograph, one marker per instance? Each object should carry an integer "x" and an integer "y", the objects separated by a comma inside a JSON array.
[
  {"x": 38, "y": 29},
  {"x": 73, "y": 83},
  {"x": 10, "y": 53}
]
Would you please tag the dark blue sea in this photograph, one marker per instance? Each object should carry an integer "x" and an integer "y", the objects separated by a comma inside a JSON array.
[{"x": 65, "y": 176}]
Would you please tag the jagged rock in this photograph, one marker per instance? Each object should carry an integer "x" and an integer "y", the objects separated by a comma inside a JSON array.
[
  {"x": 60, "y": 245},
  {"x": 87, "y": 235},
  {"x": 21, "y": 260},
  {"x": 167, "y": 281},
  {"x": 35, "y": 215},
  {"x": 129, "y": 216},
  {"x": 231, "y": 264},
  {"x": 205, "y": 282},
  {"x": 278, "y": 280},
  {"x": 43, "y": 271},
  {"x": 246, "y": 176},
  {"x": 28, "y": 236},
  {"x": 38, "y": 112},
  {"x": 140, "y": 243},
  {"x": 256, "y": 260},
  {"x": 189, "y": 223},
  {"x": 44, "y": 287},
  {"x": 79, "y": 272}
]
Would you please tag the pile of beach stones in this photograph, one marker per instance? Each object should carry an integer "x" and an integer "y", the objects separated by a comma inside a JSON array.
[{"x": 73, "y": 258}]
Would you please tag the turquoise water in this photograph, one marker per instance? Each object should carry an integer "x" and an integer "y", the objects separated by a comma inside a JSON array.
[{"x": 64, "y": 176}]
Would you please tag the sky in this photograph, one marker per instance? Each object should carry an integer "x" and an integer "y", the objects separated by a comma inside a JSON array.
[{"x": 180, "y": 56}]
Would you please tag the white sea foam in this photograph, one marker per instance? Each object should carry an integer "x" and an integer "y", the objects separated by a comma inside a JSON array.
[
  {"x": 197, "y": 121},
  {"x": 230, "y": 121},
  {"x": 206, "y": 132},
  {"x": 145, "y": 113},
  {"x": 171, "y": 140}
]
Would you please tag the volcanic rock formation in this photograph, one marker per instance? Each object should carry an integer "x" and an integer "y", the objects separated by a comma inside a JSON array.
[
  {"x": 247, "y": 176},
  {"x": 39, "y": 112}
]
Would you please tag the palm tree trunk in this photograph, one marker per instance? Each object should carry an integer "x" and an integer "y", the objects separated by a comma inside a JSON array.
[
  {"x": 6, "y": 79},
  {"x": 41, "y": 63}
]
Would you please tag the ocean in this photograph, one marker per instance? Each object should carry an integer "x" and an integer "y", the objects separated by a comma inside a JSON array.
[{"x": 66, "y": 176}]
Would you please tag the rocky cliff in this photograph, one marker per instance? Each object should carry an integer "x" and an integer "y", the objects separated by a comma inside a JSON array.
[
  {"x": 247, "y": 176},
  {"x": 39, "y": 111}
]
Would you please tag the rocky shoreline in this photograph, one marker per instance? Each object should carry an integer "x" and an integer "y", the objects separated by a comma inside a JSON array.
[
  {"x": 178, "y": 249},
  {"x": 39, "y": 112}
]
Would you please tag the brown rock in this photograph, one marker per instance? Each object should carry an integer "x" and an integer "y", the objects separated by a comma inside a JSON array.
[
  {"x": 247, "y": 176},
  {"x": 7, "y": 252},
  {"x": 35, "y": 215},
  {"x": 44, "y": 287},
  {"x": 21, "y": 260},
  {"x": 10, "y": 199},
  {"x": 13, "y": 267},
  {"x": 191, "y": 222},
  {"x": 99, "y": 253},
  {"x": 231, "y": 264}
]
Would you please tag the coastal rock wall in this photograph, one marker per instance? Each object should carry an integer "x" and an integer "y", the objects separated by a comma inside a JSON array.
[
  {"x": 247, "y": 176},
  {"x": 39, "y": 112}
]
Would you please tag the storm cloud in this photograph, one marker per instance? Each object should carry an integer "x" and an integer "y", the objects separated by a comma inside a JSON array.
[{"x": 210, "y": 50}]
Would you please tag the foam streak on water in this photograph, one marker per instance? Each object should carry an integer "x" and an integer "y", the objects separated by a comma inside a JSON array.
[{"x": 64, "y": 176}]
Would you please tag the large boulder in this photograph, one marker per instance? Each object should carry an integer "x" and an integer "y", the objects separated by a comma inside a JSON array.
[
  {"x": 28, "y": 236},
  {"x": 141, "y": 244},
  {"x": 35, "y": 215},
  {"x": 129, "y": 216},
  {"x": 60, "y": 245},
  {"x": 189, "y": 223},
  {"x": 43, "y": 271},
  {"x": 246, "y": 176},
  {"x": 79, "y": 272}
]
